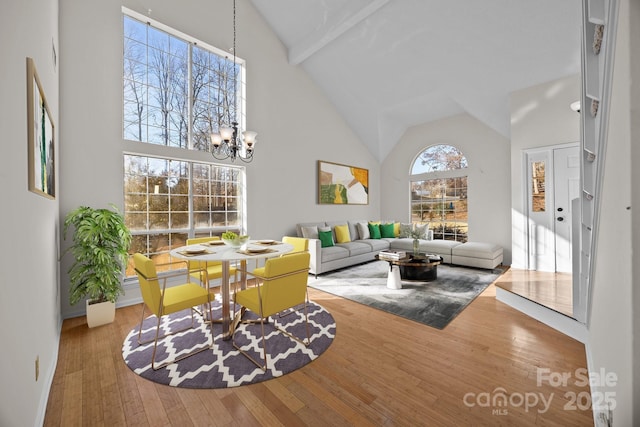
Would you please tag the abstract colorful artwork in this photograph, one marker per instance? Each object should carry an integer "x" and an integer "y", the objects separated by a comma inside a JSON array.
[{"x": 341, "y": 184}]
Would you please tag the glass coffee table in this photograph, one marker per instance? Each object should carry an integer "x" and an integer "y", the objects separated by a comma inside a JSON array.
[{"x": 419, "y": 268}]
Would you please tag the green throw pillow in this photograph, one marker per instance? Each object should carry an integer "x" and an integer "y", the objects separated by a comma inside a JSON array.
[
  {"x": 387, "y": 230},
  {"x": 326, "y": 238},
  {"x": 374, "y": 231}
]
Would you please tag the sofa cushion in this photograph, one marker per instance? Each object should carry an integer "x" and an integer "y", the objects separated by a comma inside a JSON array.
[
  {"x": 438, "y": 245},
  {"x": 342, "y": 233},
  {"x": 308, "y": 224},
  {"x": 333, "y": 253},
  {"x": 478, "y": 250},
  {"x": 374, "y": 230},
  {"x": 310, "y": 232},
  {"x": 353, "y": 228},
  {"x": 387, "y": 230},
  {"x": 422, "y": 230},
  {"x": 405, "y": 230},
  {"x": 426, "y": 246},
  {"x": 377, "y": 245},
  {"x": 355, "y": 248},
  {"x": 326, "y": 237},
  {"x": 363, "y": 231}
]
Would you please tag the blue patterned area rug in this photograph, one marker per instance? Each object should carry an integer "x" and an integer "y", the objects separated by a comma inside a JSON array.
[
  {"x": 435, "y": 303},
  {"x": 223, "y": 366}
]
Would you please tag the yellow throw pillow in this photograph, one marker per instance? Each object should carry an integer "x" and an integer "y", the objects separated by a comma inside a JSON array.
[
  {"x": 342, "y": 233},
  {"x": 396, "y": 229}
]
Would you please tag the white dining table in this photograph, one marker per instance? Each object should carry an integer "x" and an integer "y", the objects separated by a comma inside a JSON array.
[{"x": 224, "y": 254}]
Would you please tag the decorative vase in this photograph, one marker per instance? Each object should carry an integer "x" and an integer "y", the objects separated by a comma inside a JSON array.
[
  {"x": 100, "y": 313},
  {"x": 416, "y": 246}
]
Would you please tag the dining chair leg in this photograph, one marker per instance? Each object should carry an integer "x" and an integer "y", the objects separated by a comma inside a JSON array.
[
  {"x": 264, "y": 345},
  {"x": 155, "y": 346},
  {"x": 177, "y": 359},
  {"x": 140, "y": 328},
  {"x": 290, "y": 335},
  {"x": 247, "y": 355}
]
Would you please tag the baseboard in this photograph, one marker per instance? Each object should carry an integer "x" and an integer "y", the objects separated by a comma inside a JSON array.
[
  {"x": 50, "y": 372},
  {"x": 552, "y": 318}
]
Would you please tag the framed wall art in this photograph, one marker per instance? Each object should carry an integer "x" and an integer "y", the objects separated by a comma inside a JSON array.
[
  {"x": 40, "y": 137},
  {"x": 342, "y": 184}
]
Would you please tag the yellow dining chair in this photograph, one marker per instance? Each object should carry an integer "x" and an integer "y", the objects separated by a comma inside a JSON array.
[
  {"x": 213, "y": 269},
  {"x": 300, "y": 244},
  {"x": 162, "y": 301},
  {"x": 284, "y": 285}
]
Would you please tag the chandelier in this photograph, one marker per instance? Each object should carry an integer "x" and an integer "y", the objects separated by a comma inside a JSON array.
[{"x": 228, "y": 143}]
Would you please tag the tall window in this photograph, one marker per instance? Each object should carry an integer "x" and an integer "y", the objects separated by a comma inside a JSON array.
[
  {"x": 167, "y": 201},
  {"x": 177, "y": 91},
  {"x": 439, "y": 192}
]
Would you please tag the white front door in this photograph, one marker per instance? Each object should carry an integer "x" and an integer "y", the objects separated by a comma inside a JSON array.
[
  {"x": 566, "y": 176},
  {"x": 541, "y": 240},
  {"x": 553, "y": 180}
]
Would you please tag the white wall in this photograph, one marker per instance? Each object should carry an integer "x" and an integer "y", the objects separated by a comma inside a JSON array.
[
  {"x": 610, "y": 342},
  {"x": 634, "y": 46},
  {"x": 29, "y": 308},
  {"x": 296, "y": 124},
  {"x": 487, "y": 154},
  {"x": 540, "y": 117}
]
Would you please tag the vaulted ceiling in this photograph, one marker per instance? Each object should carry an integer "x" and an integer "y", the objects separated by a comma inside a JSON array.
[{"x": 388, "y": 65}]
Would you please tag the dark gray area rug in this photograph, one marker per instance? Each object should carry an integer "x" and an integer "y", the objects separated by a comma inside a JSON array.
[
  {"x": 434, "y": 303},
  {"x": 224, "y": 366}
]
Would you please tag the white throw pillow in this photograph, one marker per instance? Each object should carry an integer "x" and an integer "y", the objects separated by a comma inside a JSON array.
[
  {"x": 422, "y": 231},
  {"x": 405, "y": 230},
  {"x": 363, "y": 230},
  {"x": 310, "y": 232}
]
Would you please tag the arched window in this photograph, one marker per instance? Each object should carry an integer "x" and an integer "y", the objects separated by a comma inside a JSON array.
[{"x": 439, "y": 192}]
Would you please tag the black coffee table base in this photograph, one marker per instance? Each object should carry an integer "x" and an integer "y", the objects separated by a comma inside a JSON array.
[
  {"x": 419, "y": 273},
  {"x": 419, "y": 268}
]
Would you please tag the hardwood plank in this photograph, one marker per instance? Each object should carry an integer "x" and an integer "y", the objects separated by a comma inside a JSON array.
[
  {"x": 553, "y": 290},
  {"x": 380, "y": 370}
]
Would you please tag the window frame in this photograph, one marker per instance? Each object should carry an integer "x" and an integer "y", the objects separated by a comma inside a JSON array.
[
  {"x": 191, "y": 230},
  {"x": 240, "y": 87},
  {"x": 444, "y": 174},
  {"x": 187, "y": 154}
]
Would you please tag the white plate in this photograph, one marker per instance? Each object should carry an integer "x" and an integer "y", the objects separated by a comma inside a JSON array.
[
  {"x": 195, "y": 250},
  {"x": 256, "y": 250},
  {"x": 215, "y": 243},
  {"x": 266, "y": 242}
]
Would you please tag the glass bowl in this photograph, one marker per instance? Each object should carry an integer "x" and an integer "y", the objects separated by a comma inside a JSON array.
[{"x": 236, "y": 243}]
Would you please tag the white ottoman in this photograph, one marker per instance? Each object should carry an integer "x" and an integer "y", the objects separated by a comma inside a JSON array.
[
  {"x": 443, "y": 248},
  {"x": 477, "y": 254}
]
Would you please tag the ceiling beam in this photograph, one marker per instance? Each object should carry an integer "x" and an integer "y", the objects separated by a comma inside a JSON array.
[{"x": 320, "y": 38}]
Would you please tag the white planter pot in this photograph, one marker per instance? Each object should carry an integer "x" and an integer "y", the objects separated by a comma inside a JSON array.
[{"x": 100, "y": 313}]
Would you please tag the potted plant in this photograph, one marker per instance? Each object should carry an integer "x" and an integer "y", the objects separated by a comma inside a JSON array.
[{"x": 100, "y": 248}]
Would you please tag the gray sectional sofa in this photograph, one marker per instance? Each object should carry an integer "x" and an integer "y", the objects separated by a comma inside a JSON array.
[{"x": 359, "y": 250}]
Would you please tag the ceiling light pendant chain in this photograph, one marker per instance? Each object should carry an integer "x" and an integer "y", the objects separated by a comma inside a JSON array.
[{"x": 228, "y": 143}]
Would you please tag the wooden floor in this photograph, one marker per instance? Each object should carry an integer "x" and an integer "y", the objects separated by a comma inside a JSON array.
[
  {"x": 553, "y": 290},
  {"x": 381, "y": 370}
]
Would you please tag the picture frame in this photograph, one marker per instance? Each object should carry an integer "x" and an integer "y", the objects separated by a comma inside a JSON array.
[
  {"x": 340, "y": 184},
  {"x": 40, "y": 137}
]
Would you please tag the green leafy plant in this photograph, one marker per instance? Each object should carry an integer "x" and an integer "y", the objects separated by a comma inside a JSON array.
[
  {"x": 229, "y": 235},
  {"x": 100, "y": 247}
]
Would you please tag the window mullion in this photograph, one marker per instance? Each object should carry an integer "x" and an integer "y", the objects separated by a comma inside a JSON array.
[
  {"x": 192, "y": 222},
  {"x": 190, "y": 99}
]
